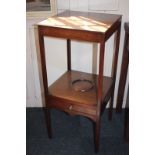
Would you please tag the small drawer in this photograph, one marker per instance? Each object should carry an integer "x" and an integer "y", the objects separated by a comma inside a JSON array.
[{"x": 69, "y": 106}]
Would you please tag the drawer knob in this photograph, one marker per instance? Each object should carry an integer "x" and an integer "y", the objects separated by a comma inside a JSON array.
[{"x": 70, "y": 107}]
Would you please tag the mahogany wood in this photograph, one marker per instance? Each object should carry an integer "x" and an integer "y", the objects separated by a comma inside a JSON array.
[
  {"x": 99, "y": 95},
  {"x": 93, "y": 27},
  {"x": 114, "y": 68},
  {"x": 69, "y": 54},
  {"x": 72, "y": 29},
  {"x": 43, "y": 64},
  {"x": 124, "y": 69},
  {"x": 48, "y": 121},
  {"x": 62, "y": 88}
]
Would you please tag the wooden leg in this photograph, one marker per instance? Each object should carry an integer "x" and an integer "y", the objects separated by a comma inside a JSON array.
[
  {"x": 69, "y": 54},
  {"x": 111, "y": 105},
  {"x": 123, "y": 74},
  {"x": 48, "y": 122},
  {"x": 97, "y": 135}
]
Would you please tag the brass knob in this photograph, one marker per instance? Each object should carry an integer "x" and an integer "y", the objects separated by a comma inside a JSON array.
[{"x": 70, "y": 107}]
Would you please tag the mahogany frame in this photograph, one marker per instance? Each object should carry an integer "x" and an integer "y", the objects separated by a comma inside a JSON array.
[{"x": 100, "y": 38}]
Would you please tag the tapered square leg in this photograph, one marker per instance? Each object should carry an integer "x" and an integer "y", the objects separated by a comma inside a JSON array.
[
  {"x": 48, "y": 121},
  {"x": 97, "y": 136}
]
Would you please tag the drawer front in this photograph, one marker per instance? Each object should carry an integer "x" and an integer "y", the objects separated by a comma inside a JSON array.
[{"x": 68, "y": 106}]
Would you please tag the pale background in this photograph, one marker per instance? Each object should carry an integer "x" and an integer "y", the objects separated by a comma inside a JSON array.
[
  {"x": 81, "y": 51},
  {"x": 13, "y": 77}
]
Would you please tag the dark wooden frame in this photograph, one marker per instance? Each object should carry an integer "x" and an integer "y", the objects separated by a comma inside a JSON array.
[
  {"x": 94, "y": 113},
  {"x": 124, "y": 70}
]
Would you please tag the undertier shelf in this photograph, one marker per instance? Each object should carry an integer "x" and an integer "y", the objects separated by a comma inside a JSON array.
[{"x": 65, "y": 88}]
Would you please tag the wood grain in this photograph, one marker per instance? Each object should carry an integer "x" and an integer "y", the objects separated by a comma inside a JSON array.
[
  {"x": 92, "y": 27},
  {"x": 62, "y": 88}
]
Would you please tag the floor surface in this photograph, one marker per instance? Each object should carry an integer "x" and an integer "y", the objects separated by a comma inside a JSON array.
[{"x": 73, "y": 135}]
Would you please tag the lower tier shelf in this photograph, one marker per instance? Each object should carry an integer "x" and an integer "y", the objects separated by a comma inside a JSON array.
[{"x": 63, "y": 89}]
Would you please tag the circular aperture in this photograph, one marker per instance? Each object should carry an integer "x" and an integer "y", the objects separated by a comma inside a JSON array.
[{"x": 82, "y": 85}]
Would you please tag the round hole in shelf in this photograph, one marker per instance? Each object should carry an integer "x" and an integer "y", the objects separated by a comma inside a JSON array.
[{"x": 82, "y": 85}]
